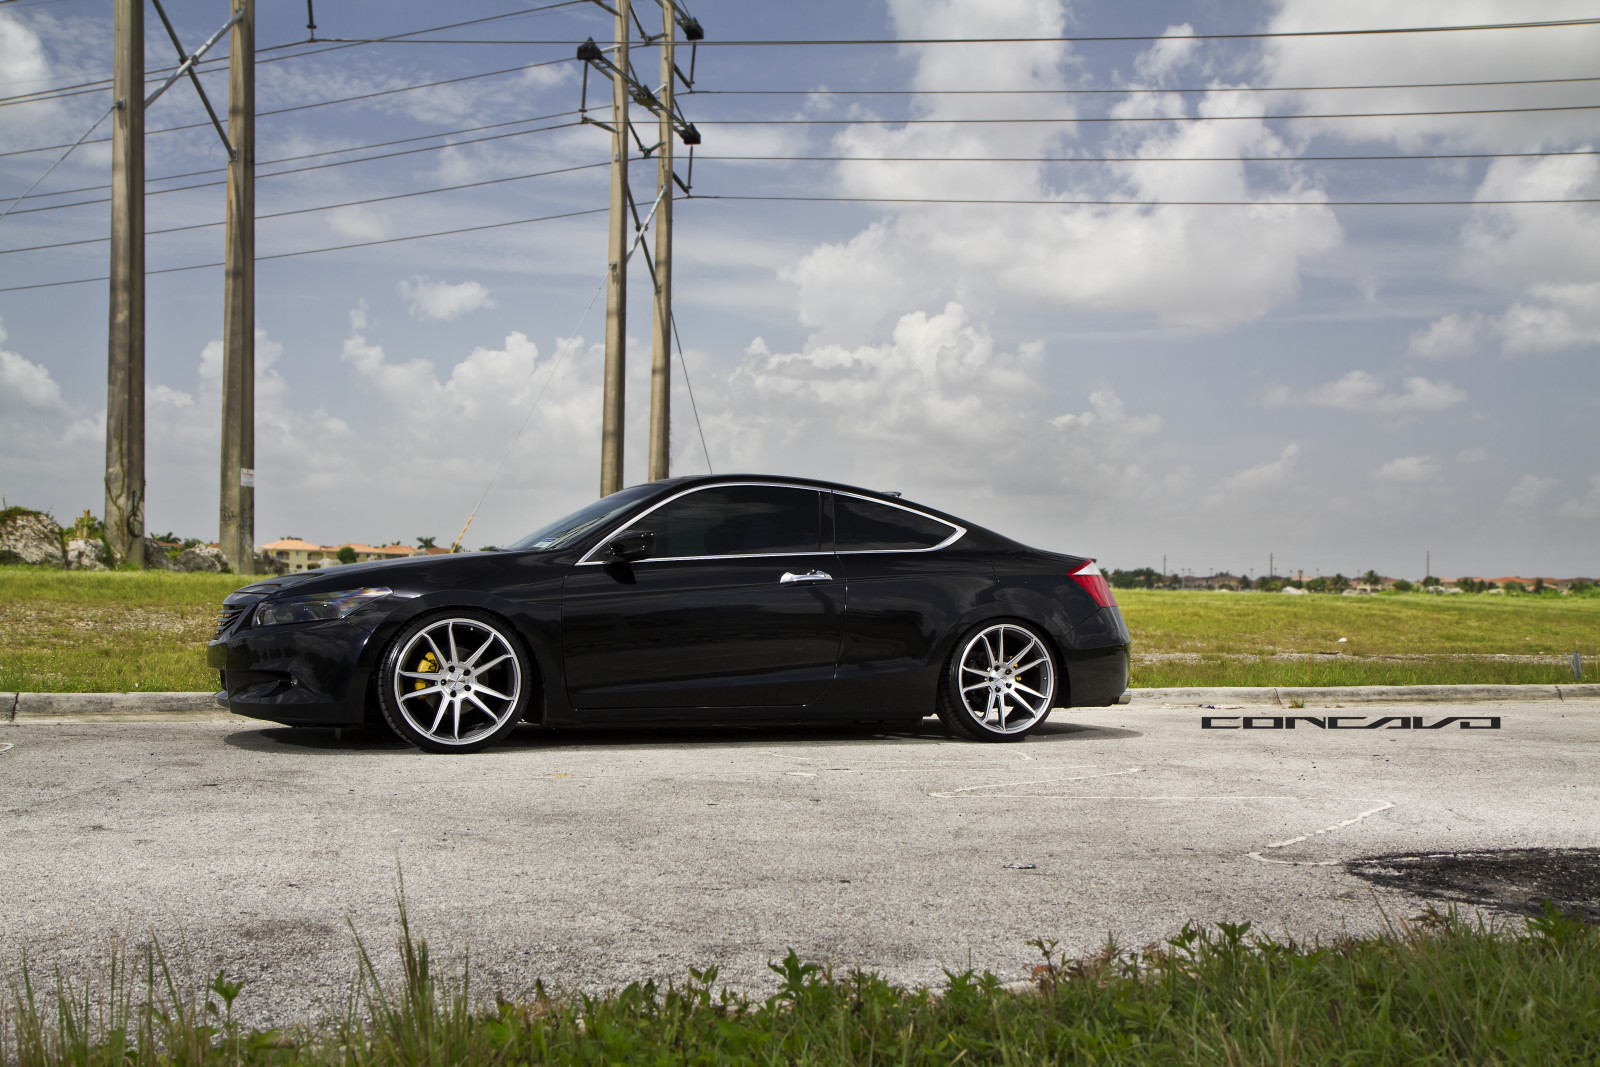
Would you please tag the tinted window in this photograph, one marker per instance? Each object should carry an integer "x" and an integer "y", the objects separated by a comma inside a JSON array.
[
  {"x": 866, "y": 525},
  {"x": 730, "y": 520}
]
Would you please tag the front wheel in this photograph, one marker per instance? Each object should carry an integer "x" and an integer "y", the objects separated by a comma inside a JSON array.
[
  {"x": 454, "y": 682},
  {"x": 999, "y": 683}
]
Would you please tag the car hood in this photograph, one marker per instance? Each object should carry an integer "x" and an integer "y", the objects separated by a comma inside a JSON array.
[{"x": 414, "y": 574}]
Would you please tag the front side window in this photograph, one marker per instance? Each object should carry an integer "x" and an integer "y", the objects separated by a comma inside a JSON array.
[
  {"x": 869, "y": 526},
  {"x": 736, "y": 520}
]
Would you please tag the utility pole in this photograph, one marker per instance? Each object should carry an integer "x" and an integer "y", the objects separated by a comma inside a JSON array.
[
  {"x": 1271, "y": 566},
  {"x": 661, "y": 322},
  {"x": 124, "y": 514},
  {"x": 612, "y": 403},
  {"x": 237, "y": 505}
]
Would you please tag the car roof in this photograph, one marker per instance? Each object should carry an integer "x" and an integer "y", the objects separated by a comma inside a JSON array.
[{"x": 696, "y": 481}]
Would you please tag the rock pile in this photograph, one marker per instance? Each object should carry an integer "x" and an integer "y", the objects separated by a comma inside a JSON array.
[
  {"x": 202, "y": 558},
  {"x": 28, "y": 536},
  {"x": 156, "y": 558},
  {"x": 84, "y": 554}
]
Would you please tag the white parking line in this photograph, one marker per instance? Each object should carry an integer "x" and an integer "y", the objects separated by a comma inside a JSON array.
[{"x": 1259, "y": 858}]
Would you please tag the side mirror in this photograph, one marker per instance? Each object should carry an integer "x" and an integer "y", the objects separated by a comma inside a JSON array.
[{"x": 635, "y": 544}]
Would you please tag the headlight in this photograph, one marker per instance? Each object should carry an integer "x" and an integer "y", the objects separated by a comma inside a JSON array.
[{"x": 316, "y": 606}]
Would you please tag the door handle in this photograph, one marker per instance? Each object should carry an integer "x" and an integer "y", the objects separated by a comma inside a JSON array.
[{"x": 808, "y": 576}]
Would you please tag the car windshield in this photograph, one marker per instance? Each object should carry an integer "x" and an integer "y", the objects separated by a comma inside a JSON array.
[{"x": 565, "y": 531}]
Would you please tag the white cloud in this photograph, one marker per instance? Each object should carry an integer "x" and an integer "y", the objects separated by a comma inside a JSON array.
[
  {"x": 1586, "y": 506},
  {"x": 938, "y": 407},
  {"x": 25, "y": 385},
  {"x": 22, "y": 56},
  {"x": 1564, "y": 52},
  {"x": 1361, "y": 391},
  {"x": 1472, "y": 455},
  {"x": 441, "y": 301},
  {"x": 1167, "y": 56},
  {"x": 1529, "y": 490},
  {"x": 1450, "y": 336},
  {"x": 1203, "y": 266},
  {"x": 1568, "y": 317},
  {"x": 1408, "y": 470},
  {"x": 1269, "y": 475}
]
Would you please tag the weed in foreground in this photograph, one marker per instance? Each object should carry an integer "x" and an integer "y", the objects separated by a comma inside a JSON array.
[{"x": 1435, "y": 990}]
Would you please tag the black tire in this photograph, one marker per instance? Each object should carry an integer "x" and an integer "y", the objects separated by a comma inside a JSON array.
[
  {"x": 999, "y": 682},
  {"x": 456, "y": 680}
]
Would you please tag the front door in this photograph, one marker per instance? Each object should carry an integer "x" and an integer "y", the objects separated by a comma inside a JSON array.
[{"x": 738, "y": 606}]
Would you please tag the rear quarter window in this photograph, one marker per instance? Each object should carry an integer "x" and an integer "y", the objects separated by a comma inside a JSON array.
[{"x": 862, "y": 525}]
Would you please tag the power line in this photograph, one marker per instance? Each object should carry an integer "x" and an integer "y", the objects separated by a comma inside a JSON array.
[
  {"x": 325, "y": 207},
  {"x": 324, "y": 152},
  {"x": 318, "y": 251},
  {"x": 1146, "y": 118},
  {"x": 64, "y": 91},
  {"x": 1144, "y": 159},
  {"x": 320, "y": 103},
  {"x": 302, "y": 170},
  {"x": 1151, "y": 203},
  {"x": 62, "y": 159},
  {"x": 1090, "y": 39},
  {"x": 1129, "y": 91},
  {"x": 684, "y": 364}
]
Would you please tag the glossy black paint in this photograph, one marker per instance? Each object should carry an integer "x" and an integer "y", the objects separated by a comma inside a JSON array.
[{"x": 723, "y": 639}]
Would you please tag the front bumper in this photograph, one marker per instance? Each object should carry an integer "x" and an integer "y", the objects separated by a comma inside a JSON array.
[{"x": 308, "y": 674}]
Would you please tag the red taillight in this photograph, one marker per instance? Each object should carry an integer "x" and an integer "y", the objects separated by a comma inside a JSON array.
[{"x": 1094, "y": 583}]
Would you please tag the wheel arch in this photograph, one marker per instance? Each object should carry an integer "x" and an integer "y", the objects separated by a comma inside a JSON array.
[{"x": 541, "y": 661}]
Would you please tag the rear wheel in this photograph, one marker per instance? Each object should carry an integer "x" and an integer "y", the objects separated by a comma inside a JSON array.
[
  {"x": 454, "y": 682},
  {"x": 999, "y": 683}
]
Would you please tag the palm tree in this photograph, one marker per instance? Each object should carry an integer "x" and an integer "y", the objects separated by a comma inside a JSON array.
[{"x": 424, "y": 542}]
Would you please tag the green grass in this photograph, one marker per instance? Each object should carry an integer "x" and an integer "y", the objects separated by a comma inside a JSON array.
[
  {"x": 1268, "y": 639},
  {"x": 1435, "y": 991},
  {"x": 116, "y": 631},
  {"x": 75, "y": 631}
]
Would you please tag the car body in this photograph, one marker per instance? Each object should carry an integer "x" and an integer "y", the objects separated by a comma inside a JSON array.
[{"x": 649, "y": 606}]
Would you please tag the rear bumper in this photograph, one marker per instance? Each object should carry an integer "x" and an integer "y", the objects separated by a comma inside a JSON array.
[
  {"x": 1097, "y": 660},
  {"x": 304, "y": 675},
  {"x": 1096, "y": 678}
]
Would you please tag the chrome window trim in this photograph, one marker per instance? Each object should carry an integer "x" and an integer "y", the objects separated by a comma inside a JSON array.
[
  {"x": 960, "y": 531},
  {"x": 608, "y": 538}
]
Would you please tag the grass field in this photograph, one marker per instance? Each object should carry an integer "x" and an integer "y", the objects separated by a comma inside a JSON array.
[
  {"x": 76, "y": 631},
  {"x": 1435, "y": 991}
]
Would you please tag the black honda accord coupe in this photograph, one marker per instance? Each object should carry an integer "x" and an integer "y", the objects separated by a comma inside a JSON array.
[{"x": 733, "y": 598}]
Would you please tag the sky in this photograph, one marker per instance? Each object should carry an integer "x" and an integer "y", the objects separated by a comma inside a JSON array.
[{"x": 1119, "y": 368}]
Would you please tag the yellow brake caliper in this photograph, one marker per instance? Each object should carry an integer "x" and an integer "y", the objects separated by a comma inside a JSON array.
[{"x": 427, "y": 665}]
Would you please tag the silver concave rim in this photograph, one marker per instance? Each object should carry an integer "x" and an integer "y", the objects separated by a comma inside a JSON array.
[
  {"x": 458, "y": 681},
  {"x": 1007, "y": 681}
]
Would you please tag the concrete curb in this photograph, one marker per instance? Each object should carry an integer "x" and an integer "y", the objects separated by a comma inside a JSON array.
[
  {"x": 1364, "y": 694},
  {"x": 202, "y": 707},
  {"x": 111, "y": 707}
]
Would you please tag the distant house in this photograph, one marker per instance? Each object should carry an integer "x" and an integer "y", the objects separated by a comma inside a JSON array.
[{"x": 299, "y": 555}]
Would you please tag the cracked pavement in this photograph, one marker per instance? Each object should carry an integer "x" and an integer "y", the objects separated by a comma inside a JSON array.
[{"x": 593, "y": 858}]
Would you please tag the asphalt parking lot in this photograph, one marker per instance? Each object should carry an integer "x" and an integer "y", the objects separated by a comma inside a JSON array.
[{"x": 591, "y": 859}]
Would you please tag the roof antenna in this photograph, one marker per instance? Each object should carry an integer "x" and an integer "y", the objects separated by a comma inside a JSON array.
[{"x": 311, "y": 22}]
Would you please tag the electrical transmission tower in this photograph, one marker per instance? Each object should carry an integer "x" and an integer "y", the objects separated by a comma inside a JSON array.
[
  {"x": 626, "y": 86},
  {"x": 124, "y": 485}
]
